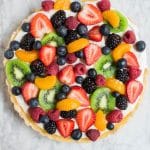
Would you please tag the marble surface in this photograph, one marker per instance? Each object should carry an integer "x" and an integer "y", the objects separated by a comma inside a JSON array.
[{"x": 15, "y": 135}]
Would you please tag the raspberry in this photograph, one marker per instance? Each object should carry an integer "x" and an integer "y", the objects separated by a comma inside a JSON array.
[
  {"x": 35, "y": 113},
  {"x": 134, "y": 72},
  {"x": 100, "y": 80},
  {"x": 80, "y": 69},
  {"x": 52, "y": 69},
  {"x": 104, "y": 5},
  {"x": 71, "y": 58},
  {"x": 129, "y": 37},
  {"x": 93, "y": 134},
  {"x": 53, "y": 114},
  {"x": 122, "y": 74},
  {"x": 50, "y": 127},
  {"x": 114, "y": 116},
  {"x": 71, "y": 23},
  {"x": 47, "y": 5},
  {"x": 71, "y": 36},
  {"x": 122, "y": 102}
]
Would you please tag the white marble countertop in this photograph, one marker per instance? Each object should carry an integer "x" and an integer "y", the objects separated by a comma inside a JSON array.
[{"x": 15, "y": 135}]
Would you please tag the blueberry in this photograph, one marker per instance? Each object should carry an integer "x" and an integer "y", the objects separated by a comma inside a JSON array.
[
  {"x": 115, "y": 94},
  {"x": 30, "y": 77},
  {"x": 26, "y": 27},
  {"x": 76, "y": 134},
  {"x": 105, "y": 29},
  {"x": 44, "y": 119},
  {"x": 16, "y": 90},
  {"x": 110, "y": 126},
  {"x": 92, "y": 73},
  {"x": 82, "y": 29},
  {"x": 14, "y": 45},
  {"x": 33, "y": 102},
  {"x": 79, "y": 79},
  {"x": 121, "y": 63},
  {"x": 106, "y": 50},
  {"x": 61, "y": 61},
  {"x": 79, "y": 54},
  {"x": 140, "y": 46},
  {"x": 75, "y": 6},
  {"x": 37, "y": 45},
  {"x": 62, "y": 31},
  {"x": 65, "y": 88},
  {"x": 60, "y": 96},
  {"x": 9, "y": 54},
  {"x": 61, "y": 51}
]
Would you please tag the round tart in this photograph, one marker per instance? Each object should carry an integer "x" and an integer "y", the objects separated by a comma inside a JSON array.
[{"x": 76, "y": 70}]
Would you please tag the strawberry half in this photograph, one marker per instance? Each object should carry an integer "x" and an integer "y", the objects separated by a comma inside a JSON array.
[
  {"x": 47, "y": 54},
  {"x": 79, "y": 94},
  {"x": 40, "y": 25},
  {"x": 134, "y": 89},
  {"x": 94, "y": 34},
  {"x": 85, "y": 119},
  {"x": 65, "y": 127},
  {"x": 66, "y": 75},
  {"x": 92, "y": 53},
  {"x": 90, "y": 15}
]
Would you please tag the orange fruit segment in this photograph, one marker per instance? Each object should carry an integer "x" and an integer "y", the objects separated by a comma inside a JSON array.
[
  {"x": 120, "y": 50},
  {"x": 62, "y": 5},
  {"x": 67, "y": 104},
  {"x": 77, "y": 45},
  {"x": 46, "y": 83},
  {"x": 27, "y": 56}
]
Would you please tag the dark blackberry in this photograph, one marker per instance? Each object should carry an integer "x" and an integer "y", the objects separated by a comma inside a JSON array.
[
  {"x": 89, "y": 85},
  {"x": 122, "y": 102},
  {"x": 50, "y": 127},
  {"x": 68, "y": 114},
  {"x": 73, "y": 113},
  {"x": 122, "y": 74},
  {"x": 113, "y": 40},
  {"x": 58, "y": 18},
  {"x": 27, "y": 42},
  {"x": 71, "y": 36}
]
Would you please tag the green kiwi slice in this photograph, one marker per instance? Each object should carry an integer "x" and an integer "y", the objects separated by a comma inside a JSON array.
[
  {"x": 16, "y": 70},
  {"x": 105, "y": 66},
  {"x": 102, "y": 99}
]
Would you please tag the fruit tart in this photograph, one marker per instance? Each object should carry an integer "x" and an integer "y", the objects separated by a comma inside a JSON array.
[{"x": 76, "y": 70}]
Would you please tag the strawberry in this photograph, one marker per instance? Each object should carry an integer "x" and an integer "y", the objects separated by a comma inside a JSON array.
[
  {"x": 40, "y": 25},
  {"x": 65, "y": 127},
  {"x": 134, "y": 89},
  {"x": 90, "y": 15},
  {"x": 94, "y": 34},
  {"x": 134, "y": 72},
  {"x": 47, "y": 54},
  {"x": 79, "y": 94},
  {"x": 85, "y": 119},
  {"x": 66, "y": 75},
  {"x": 29, "y": 90},
  {"x": 131, "y": 59},
  {"x": 92, "y": 53}
]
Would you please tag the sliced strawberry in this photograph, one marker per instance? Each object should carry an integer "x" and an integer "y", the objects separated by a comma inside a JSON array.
[
  {"x": 90, "y": 15},
  {"x": 47, "y": 54},
  {"x": 134, "y": 89},
  {"x": 85, "y": 119},
  {"x": 131, "y": 59},
  {"x": 94, "y": 34},
  {"x": 29, "y": 90},
  {"x": 134, "y": 72},
  {"x": 92, "y": 53},
  {"x": 79, "y": 94},
  {"x": 40, "y": 25},
  {"x": 65, "y": 127},
  {"x": 66, "y": 75}
]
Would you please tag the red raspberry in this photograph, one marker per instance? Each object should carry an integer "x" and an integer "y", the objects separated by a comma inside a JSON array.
[
  {"x": 114, "y": 116},
  {"x": 129, "y": 37},
  {"x": 53, "y": 114},
  {"x": 80, "y": 69},
  {"x": 104, "y": 5},
  {"x": 71, "y": 58},
  {"x": 134, "y": 72},
  {"x": 93, "y": 134},
  {"x": 52, "y": 69},
  {"x": 35, "y": 113},
  {"x": 71, "y": 23},
  {"x": 100, "y": 80},
  {"x": 47, "y": 5}
]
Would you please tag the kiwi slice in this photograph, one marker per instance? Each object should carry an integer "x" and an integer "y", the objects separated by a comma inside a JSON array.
[
  {"x": 102, "y": 99},
  {"x": 16, "y": 70},
  {"x": 105, "y": 66}
]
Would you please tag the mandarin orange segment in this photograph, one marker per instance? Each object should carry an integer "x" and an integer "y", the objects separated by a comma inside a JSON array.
[
  {"x": 46, "y": 83},
  {"x": 116, "y": 85},
  {"x": 27, "y": 56},
  {"x": 62, "y": 5},
  {"x": 77, "y": 45}
]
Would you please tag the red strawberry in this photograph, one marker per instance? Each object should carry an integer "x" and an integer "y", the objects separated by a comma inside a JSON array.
[
  {"x": 40, "y": 25},
  {"x": 92, "y": 53},
  {"x": 66, "y": 75},
  {"x": 47, "y": 54},
  {"x": 134, "y": 72},
  {"x": 29, "y": 90},
  {"x": 90, "y": 15},
  {"x": 85, "y": 119},
  {"x": 131, "y": 59},
  {"x": 65, "y": 127},
  {"x": 94, "y": 34},
  {"x": 134, "y": 89},
  {"x": 79, "y": 93}
]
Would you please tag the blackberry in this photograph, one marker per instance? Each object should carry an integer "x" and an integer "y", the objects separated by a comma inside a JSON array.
[
  {"x": 71, "y": 36},
  {"x": 122, "y": 74},
  {"x": 58, "y": 19},
  {"x": 113, "y": 41},
  {"x": 122, "y": 102},
  {"x": 89, "y": 85},
  {"x": 50, "y": 127},
  {"x": 27, "y": 42},
  {"x": 68, "y": 114}
]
